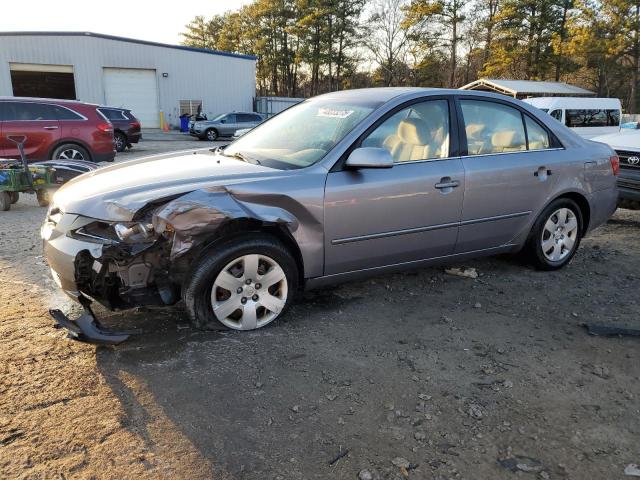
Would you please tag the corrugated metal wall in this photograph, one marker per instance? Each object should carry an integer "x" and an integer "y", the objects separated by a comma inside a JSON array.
[{"x": 223, "y": 83}]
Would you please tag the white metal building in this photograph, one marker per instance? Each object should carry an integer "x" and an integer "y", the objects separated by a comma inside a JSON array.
[{"x": 146, "y": 77}]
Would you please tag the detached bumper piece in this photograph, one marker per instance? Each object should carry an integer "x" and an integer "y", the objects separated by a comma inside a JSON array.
[{"x": 87, "y": 328}]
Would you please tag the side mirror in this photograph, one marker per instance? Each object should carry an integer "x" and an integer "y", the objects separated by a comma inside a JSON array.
[
  {"x": 224, "y": 120},
  {"x": 369, "y": 157}
]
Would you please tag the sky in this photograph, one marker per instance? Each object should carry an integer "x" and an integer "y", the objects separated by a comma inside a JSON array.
[{"x": 158, "y": 21}]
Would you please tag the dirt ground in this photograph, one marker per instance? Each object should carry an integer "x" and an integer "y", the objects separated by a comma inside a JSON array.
[{"x": 422, "y": 375}]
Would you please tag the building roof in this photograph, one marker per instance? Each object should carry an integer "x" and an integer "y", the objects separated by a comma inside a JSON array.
[
  {"x": 128, "y": 40},
  {"x": 527, "y": 87}
]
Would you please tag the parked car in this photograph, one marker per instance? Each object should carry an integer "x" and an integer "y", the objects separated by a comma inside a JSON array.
[
  {"x": 55, "y": 129},
  {"x": 589, "y": 117},
  {"x": 626, "y": 143},
  {"x": 338, "y": 187},
  {"x": 126, "y": 127},
  {"x": 224, "y": 125}
]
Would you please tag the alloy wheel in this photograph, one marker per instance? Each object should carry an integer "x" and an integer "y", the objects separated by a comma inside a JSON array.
[
  {"x": 249, "y": 292},
  {"x": 70, "y": 154},
  {"x": 559, "y": 235}
]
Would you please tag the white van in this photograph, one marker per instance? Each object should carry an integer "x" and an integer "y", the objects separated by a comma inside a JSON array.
[{"x": 589, "y": 117}]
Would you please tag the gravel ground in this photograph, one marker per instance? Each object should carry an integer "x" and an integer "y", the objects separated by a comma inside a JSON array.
[{"x": 423, "y": 375}]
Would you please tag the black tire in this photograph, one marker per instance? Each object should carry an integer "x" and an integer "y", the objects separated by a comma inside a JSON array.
[
  {"x": 211, "y": 134},
  {"x": 5, "y": 201},
  {"x": 43, "y": 197},
  {"x": 120, "y": 141},
  {"x": 15, "y": 196},
  {"x": 534, "y": 249},
  {"x": 70, "y": 151},
  {"x": 196, "y": 292}
]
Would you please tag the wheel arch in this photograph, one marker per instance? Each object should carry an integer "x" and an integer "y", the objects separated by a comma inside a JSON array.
[
  {"x": 238, "y": 227},
  {"x": 583, "y": 204}
]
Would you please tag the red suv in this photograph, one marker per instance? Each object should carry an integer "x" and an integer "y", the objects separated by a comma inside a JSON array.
[{"x": 55, "y": 129}]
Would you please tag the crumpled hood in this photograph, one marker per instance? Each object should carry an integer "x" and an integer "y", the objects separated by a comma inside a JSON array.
[{"x": 116, "y": 192}]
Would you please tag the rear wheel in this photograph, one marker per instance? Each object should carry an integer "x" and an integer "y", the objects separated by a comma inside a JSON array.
[
  {"x": 71, "y": 151},
  {"x": 120, "y": 141},
  {"x": 15, "y": 196},
  {"x": 5, "y": 201},
  {"x": 555, "y": 235},
  {"x": 243, "y": 284},
  {"x": 211, "y": 134}
]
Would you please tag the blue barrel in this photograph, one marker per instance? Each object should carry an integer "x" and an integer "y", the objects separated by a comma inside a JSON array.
[{"x": 184, "y": 123}]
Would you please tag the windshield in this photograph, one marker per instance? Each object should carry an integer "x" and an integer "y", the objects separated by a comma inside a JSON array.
[{"x": 301, "y": 135}]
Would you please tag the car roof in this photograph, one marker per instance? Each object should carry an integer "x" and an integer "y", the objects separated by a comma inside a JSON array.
[
  {"x": 386, "y": 94},
  {"x": 42, "y": 99}
]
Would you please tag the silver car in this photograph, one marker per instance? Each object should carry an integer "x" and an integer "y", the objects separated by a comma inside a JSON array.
[
  {"x": 340, "y": 186},
  {"x": 224, "y": 125}
]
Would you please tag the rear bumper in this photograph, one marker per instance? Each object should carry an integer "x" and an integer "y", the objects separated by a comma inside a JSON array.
[
  {"x": 603, "y": 204},
  {"x": 104, "y": 156},
  {"x": 134, "y": 137}
]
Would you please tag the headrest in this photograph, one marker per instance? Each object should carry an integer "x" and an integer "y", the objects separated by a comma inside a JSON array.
[
  {"x": 507, "y": 139},
  {"x": 414, "y": 131},
  {"x": 474, "y": 128}
]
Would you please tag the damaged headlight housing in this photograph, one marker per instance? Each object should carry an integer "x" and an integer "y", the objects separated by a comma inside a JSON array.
[{"x": 121, "y": 232}]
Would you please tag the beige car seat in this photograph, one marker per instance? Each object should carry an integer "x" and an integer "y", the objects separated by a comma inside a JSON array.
[
  {"x": 411, "y": 141},
  {"x": 508, "y": 141},
  {"x": 475, "y": 141}
]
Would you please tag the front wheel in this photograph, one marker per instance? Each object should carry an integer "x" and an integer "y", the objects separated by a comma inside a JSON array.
[
  {"x": 211, "y": 134},
  {"x": 243, "y": 284},
  {"x": 555, "y": 235}
]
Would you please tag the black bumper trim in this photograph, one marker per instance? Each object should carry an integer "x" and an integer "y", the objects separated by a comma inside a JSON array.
[{"x": 86, "y": 328}]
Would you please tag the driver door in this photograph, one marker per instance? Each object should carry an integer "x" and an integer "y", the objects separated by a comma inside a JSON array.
[{"x": 380, "y": 217}]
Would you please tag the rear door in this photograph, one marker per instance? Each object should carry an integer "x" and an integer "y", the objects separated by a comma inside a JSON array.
[
  {"x": 38, "y": 122},
  {"x": 379, "y": 217},
  {"x": 509, "y": 172},
  {"x": 229, "y": 125}
]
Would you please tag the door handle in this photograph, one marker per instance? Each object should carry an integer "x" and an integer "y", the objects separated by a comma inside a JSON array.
[
  {"x": 447, "y": 183},
  {"x": 50, "y": 127},
  {"x": 542, "y": 171}
]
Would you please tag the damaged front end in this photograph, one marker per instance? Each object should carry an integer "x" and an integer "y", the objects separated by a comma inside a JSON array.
[{"x": 144, "y": 260}]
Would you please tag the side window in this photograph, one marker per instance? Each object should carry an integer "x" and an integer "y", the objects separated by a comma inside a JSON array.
[
  {"x": 557, "y": 114},
  {"x": 66, "y": 114},
  {"x": 537, "y": 136},
  {"x": 33, "y": 111},
  {"x": 113, "y": 114},
  {"x": 246, "y": 118},
  {"x": 592, "y": 118},
  {"x": 418, "y": 132},
  {"x": 257, "y": 118},
  {"x": 492, "y": 127},
  {"x": 231, "y": 118},
  {"x": 7, "y": 111}
]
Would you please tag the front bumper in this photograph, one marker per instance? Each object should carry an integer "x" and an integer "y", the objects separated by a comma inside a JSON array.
[
  {"x": 61, "y": 251},
  {"x": 117, "y": 275},
  {"x": 629, "y": 184}
]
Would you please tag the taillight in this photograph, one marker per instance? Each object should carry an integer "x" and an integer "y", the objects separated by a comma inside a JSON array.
[
  {"x": 105, "y": 127},
  {"x": 135, "y": 124},
  {"x": 615, "y": 164}
]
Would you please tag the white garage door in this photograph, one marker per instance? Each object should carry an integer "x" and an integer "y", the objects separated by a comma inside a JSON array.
[{"x": 135, "y": 89}]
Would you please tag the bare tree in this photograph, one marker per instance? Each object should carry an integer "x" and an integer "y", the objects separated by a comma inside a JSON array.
[{"x": 386, "y": 40}]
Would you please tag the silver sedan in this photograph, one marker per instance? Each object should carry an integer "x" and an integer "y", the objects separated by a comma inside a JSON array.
[{"x": 338, "y": 187}]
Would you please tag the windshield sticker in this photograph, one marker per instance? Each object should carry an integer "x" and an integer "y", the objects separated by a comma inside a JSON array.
[{"x": 329, "y": 112}]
